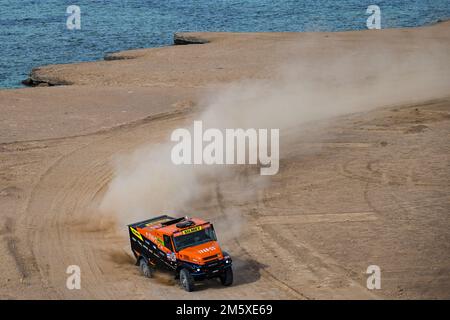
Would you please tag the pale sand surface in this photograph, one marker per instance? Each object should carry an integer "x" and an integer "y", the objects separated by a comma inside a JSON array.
[{"x": 376, "y": 193}]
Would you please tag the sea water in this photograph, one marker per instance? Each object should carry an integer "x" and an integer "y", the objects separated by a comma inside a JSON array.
[{"x": 34, "y": 32}]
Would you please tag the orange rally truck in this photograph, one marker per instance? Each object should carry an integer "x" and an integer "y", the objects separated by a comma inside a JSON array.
[{"x": 186, "y": 246}]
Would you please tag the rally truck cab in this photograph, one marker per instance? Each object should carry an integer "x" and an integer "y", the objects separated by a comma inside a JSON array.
[{"x": 186, "y": 246}]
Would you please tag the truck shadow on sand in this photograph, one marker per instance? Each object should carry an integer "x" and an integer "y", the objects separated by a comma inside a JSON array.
[{"x": 245, "y": 271}]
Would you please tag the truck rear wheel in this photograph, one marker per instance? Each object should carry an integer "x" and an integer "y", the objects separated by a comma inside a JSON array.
[
  {"x": 145, "y": 269},
  {"x": 186, "y": 280},
  {"x": 226, "y": 278}
]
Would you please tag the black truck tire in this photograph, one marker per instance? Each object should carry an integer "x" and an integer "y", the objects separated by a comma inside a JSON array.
[
  {"x": 226, "y": 278},
  {"x": 186, "y": 280},
  {"x": 145, "y": 269}
]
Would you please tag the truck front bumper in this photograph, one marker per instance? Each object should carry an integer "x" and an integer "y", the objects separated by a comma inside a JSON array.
[{"x": 211, "y": 270}]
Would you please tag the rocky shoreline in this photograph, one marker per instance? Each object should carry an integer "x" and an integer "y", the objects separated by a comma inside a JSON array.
[{"x": 37, "y": 79}]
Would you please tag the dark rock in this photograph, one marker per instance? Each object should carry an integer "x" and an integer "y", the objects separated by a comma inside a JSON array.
[
  {"x": 181, "y": 39},
  {"x": 114, "y": 56},
  {"x": 34, "y": 80}
]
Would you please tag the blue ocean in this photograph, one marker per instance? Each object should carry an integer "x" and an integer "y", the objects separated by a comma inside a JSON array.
[{"x": 34, "y": 32}]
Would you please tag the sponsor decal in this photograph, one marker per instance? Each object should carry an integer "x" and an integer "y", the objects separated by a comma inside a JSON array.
[
  {"x": 206, "y": 250},
  {"x": 194, "y": 229},
  {"x": 160, "y": 241},
  {"x": 136, "y": 233},
  {"x": 171, "y": 257}
]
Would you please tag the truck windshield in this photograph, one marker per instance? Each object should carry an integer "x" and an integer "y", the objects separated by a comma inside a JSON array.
[{"x": 194, "y": 238}]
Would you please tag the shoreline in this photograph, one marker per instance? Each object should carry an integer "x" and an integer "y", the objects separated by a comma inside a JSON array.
[
  {"x": 34, "y": 79},
  {"x": 133, "y": 84}
]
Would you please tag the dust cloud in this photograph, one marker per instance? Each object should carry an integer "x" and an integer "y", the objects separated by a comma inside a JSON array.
[{"x": 146, "y": 183}]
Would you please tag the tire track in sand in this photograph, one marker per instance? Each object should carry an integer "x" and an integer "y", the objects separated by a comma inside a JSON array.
[{"x": 61, "y": 215}]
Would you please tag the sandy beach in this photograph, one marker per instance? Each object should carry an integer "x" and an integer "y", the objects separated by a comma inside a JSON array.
[{"x": 367, "y": 185}]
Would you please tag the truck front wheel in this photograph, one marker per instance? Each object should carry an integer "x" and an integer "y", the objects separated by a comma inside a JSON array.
[
  {"x": 226, "y": 278},
  {"x": 186, "y": 280}
]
